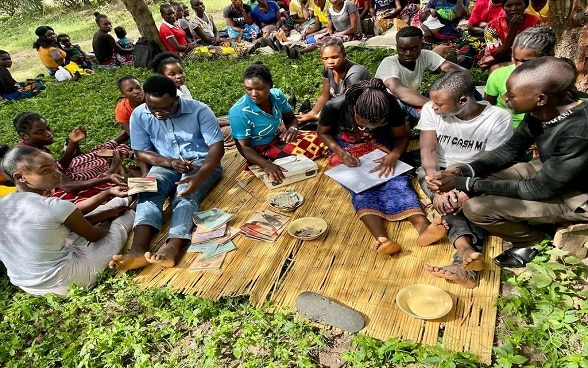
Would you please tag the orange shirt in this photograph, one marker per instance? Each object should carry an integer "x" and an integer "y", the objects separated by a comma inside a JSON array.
[
  {"x": 123, "y": 110},
  {"x": 46, "y": 58}
]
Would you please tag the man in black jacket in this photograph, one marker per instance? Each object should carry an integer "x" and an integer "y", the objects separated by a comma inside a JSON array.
[{"x": 552, "y": 188}]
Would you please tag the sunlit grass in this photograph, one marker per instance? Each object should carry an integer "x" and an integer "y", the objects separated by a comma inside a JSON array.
[{"x": 18, "y": 33}]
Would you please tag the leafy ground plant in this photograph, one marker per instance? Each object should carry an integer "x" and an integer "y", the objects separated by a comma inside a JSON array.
[{"x": 543, "y": 315}]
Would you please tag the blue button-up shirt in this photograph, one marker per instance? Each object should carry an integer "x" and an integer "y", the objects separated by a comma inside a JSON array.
[
  {"x": 249, "y": 121},
  {"x": 187, "y": 133}
]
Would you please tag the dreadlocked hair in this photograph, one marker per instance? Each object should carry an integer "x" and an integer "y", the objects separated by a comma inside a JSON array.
[
  {"x": 369, "y": 99},
  {"x": 23, "y": 121},
  {"x": 540, "y": 39}
]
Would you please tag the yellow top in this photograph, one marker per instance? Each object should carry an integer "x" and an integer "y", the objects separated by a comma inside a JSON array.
[
  {"x": 4, "y": 190},
  {"x": 296, "y": 8},
  {"x": 321, "y": 14},
  {"x": 47, "y": 59},
  {"x": 542, "y": 14}
]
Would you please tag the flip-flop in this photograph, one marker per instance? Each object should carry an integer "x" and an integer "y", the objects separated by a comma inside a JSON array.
[
  {"x": 317, "y": 308},
  {"x": 515, "y": 257}
]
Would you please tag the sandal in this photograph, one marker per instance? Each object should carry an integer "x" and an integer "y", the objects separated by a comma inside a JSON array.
[
  {"x": 516, "y": 257},
  {"x": 317, "y": 308}
]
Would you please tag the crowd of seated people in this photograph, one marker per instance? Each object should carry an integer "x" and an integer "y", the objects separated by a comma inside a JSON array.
[
  {"x": 269, "y": 23},
  {"x": 472, "y": 158}
]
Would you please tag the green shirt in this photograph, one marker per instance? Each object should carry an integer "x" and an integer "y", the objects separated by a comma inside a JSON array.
[{"x": 496, "y": 86}]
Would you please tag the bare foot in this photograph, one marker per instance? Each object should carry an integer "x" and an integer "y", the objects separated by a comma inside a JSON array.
[
  {"x": 134, "y": 170},
  {"x": 434, "y": 232},
  {"x": 166, "y": 256},
  {"x": 472, "y": 260},
  {"x": 386, "y": 246},
  {"x": 127, "y": 261},
  {"x": 455, "y": 273}
]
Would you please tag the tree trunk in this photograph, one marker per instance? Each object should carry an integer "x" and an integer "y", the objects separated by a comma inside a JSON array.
[
  {"x": 144, "y": 20},
  {"x": 568, "y": 20}
]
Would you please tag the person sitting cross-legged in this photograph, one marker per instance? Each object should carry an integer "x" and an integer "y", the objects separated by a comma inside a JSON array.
[
  {"x": 456, "y": 129},
  {"x": 513, "y": 197},
  {"x": 182, "y": 141}
]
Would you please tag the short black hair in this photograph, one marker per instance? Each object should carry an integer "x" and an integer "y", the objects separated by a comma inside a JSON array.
[
  {"x": 120, "y": 31},
  {"x": 61, "y": 36},
  {"x": 159, "y": 86},
  {"x": 503, "y": 2},
  {"x": 163, "y": 7},
  {"x": 409, "y": 31},
  {"x": 552, "y": 75},
  {"x": 456, "y": 82},
  {"x": 333, "y": 41},
  {"x": 124, "y": 78},
  {"x": 257, "y": 69}
]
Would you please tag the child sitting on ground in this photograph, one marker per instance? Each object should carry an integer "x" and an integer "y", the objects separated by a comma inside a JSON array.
[
  {"x": 58, "y": 246},
  {"x": 132, "y": 97},
  {"x": 169, "y": 65},
  {"x": 11, "y": 89},
  {"x": 74, "y": 52},
  {"x": 124, "y": 41}
]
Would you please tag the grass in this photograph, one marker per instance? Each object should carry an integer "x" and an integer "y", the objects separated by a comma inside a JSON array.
[
  {"x": 18, "y": 32},
  {"x": 543, "y": 315}
]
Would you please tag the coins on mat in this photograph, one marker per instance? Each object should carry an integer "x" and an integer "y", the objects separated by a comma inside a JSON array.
[{"x": 286, "y": 201}]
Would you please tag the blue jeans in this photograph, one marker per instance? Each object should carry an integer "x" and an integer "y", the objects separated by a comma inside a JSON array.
[{"x": 150, "y": 205}]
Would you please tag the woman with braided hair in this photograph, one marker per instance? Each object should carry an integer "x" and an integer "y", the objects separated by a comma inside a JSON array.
[
  {"x": 84, "y": 174},
  {"x": 531, "y": 43},
  {"x": 365, "y": 118}
]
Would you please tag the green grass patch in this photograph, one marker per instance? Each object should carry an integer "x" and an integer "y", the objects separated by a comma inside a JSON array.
[
  {"x": 544, "y": 316},
  {"x": 217, "y": 83}
]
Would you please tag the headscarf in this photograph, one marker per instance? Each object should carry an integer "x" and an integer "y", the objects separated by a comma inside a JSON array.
[{"x": 43, "y": 41}]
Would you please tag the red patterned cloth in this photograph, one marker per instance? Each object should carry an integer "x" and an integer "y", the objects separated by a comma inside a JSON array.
[{"x": 308, "y": 144}]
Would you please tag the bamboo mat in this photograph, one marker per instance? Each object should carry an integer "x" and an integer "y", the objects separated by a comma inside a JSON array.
[{"x": 341, "y": 265}]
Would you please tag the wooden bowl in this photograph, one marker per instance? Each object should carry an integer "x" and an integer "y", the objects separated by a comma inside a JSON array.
[
  {"x": 424, "y": 301},
  {"x": 307, "y": 228}
]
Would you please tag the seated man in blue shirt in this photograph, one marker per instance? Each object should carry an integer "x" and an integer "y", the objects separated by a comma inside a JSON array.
[{"x": 182, "y": 141}]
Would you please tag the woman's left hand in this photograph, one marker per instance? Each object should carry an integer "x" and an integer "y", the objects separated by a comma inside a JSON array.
[
  {"x": 290, "y": 135},
  {"x": 386, "y": 165}
]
